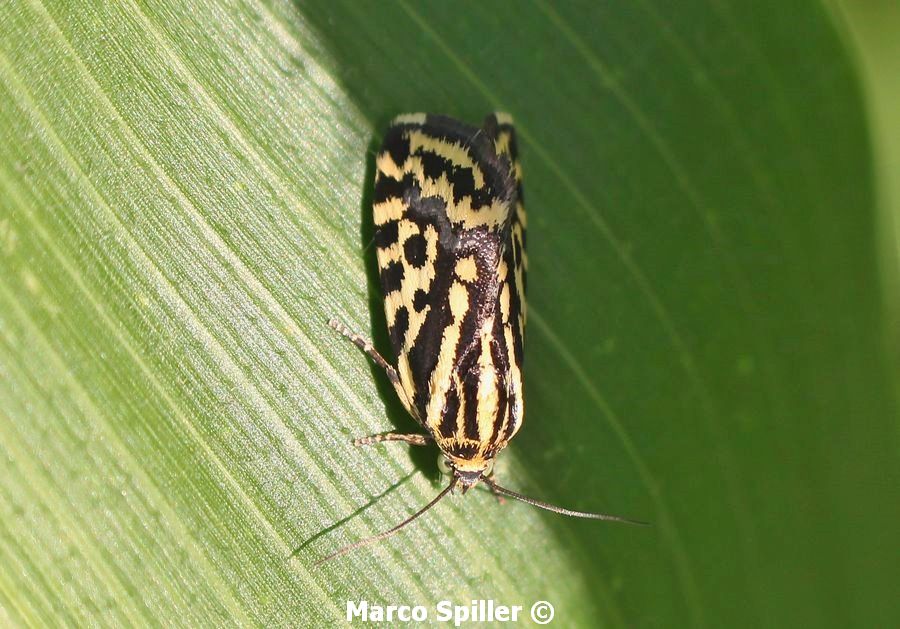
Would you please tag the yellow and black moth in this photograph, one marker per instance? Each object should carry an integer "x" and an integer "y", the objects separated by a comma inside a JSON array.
[{"x": 450, "y": 242}]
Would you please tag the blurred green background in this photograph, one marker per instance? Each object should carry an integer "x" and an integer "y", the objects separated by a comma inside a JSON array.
[
  {"x": 712, "y": 345},
  {"x": 874, "y": 39}
]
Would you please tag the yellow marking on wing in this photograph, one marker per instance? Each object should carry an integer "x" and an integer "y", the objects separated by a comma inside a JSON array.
[
  {"x": 504, "y": 303},
  {"x": 416, "y": 321},
  {"x": 474, "y": 464},
  {"x": 466, "y": 269},
  {"x": 392, "y": 303},
  {"x": 413, "y": 278},
  {"x": 459, "y": 302},
  {"x": 502, "y": 271},
  {"x": 389, "y": 210},
  {"x": 405, "y": 229},
  {"x": 461, "y": 413},
  {"x": 441, "y": 377},
  {"x": 387, "y": 167},
  {"x": 501, "y": 144},
  {"x": 456, "y": 152},
  {"x": 488, "y": 399},
  {"x": 406, "y": 379},
  {"x": 431, "y": 239},
  {"x": 519, "y": 271},
  {"x": 515, "y": 384},
  {"x": 460, "y": 213},
  {"x": 493, "y": 215}
]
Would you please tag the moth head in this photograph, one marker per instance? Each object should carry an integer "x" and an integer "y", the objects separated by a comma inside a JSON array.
[
  {"x": 467, "y": 472},
  {"x": 467, "y": 480}
]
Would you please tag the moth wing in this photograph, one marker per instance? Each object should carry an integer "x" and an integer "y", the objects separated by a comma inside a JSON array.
[
  {"x": 514, "y": 254},
  {"x": 512, "y": 302},
  {"x": 439, "y": 183}
]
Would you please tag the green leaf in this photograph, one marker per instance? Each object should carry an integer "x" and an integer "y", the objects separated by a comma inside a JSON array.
[{"x": 184, "y": 203}]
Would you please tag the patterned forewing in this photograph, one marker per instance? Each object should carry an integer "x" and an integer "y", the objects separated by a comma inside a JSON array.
[
  {"x": 512, "y": 302},
  {"x": 450, "y": 247}
]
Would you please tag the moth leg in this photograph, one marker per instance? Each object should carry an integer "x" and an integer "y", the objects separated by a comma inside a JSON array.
[
  {"x": 370, "y": 350},
  {"x": 412, "y": 439}
]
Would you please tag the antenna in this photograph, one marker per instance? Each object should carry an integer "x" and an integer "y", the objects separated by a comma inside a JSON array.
[
  {"x": 388, "y": 533},
  {"x": 555, "y": 509}
]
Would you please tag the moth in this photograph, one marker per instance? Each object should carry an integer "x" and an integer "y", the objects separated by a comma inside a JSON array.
[{"x": 450, "y": 242}]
